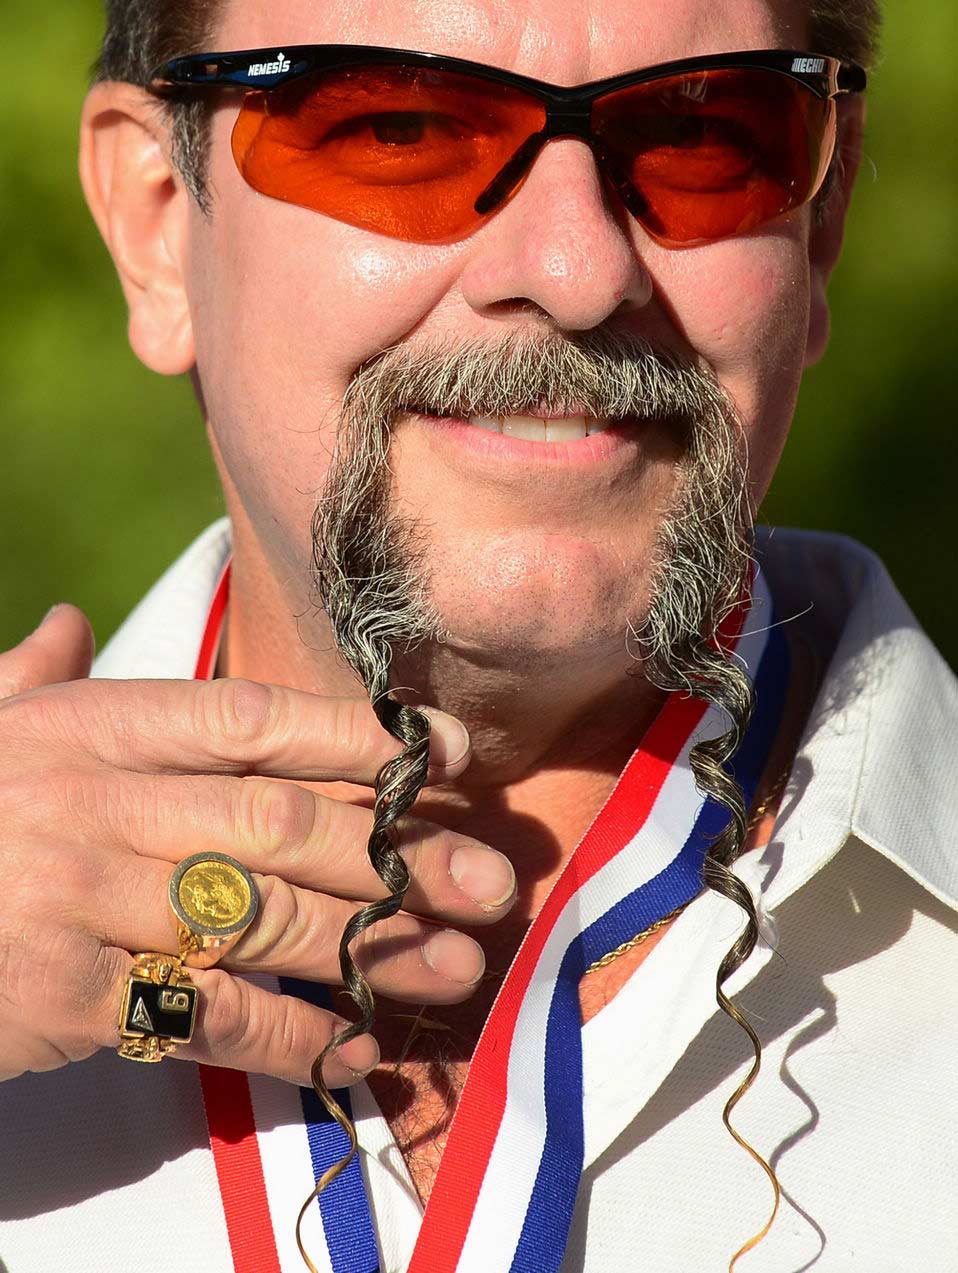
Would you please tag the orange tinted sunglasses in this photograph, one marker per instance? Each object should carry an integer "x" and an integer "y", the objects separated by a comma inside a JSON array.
[{"x": 425, "y": 148}]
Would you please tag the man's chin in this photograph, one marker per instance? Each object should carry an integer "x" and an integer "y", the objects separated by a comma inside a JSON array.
[{"x": 540, "y": 602}]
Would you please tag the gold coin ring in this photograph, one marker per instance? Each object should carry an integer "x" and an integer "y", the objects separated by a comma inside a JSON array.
[{"x": 214, "y": 900}]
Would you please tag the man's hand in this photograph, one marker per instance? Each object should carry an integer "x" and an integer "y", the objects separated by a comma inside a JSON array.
[{"x": 105, "y": 785}]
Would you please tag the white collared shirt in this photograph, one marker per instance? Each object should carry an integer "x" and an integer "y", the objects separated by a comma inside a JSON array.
[{"x": 106, "y": 1167}]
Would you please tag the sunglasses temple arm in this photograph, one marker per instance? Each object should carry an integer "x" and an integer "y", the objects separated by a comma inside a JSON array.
[{"x": 511, "y": 174}]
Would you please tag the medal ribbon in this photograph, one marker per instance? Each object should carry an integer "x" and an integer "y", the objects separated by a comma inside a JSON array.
[{"x": 505, "y": 1193}]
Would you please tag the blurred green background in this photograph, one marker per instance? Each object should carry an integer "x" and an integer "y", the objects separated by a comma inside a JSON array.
[{"x": 106, "y": 471}]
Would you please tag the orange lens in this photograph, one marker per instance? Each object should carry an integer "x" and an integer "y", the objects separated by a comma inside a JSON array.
[
  {"x": 716, "y": 153},
  {"x": 403, "y": 151}
]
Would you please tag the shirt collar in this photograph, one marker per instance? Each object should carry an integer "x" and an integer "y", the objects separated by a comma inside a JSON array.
[
  {"x": 161, "y": 637},
  {"x": 878, "y": 756}
]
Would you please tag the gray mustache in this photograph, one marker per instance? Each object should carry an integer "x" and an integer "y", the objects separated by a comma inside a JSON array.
[{"x": 598, "y": 374}]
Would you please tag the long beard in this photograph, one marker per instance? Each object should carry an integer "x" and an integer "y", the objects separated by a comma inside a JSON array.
[{"x": 372, "y": 577}]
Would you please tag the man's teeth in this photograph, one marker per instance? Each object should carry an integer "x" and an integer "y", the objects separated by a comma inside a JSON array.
[{"x": 532, "y": 429}]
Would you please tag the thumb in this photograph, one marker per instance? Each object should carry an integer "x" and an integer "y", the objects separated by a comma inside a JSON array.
[{"x": 60, "y": 649}]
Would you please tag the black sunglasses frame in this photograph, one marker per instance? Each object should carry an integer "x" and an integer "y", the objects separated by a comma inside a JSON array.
[
  {"x": 268, "y": 69},
  {"x": 568, "y": 109}
]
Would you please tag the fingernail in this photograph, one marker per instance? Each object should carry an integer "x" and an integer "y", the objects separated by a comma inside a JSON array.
[
  {"x": 360, "y": 1055},
  {"x": 449, "y": 740},
  {"x": 51, "y": 612},
  {"x": 454, "y": 956},
  {"x": 483, "y": 875}
]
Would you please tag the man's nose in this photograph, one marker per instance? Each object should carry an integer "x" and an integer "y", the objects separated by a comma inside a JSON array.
[{"x": 561, "y": 245}]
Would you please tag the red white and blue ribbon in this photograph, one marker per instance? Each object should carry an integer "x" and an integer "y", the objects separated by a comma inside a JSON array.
[{"x": 506, "y": 1189}]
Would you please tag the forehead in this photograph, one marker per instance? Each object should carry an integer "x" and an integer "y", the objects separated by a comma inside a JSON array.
[{"x": 565, "y": 41}]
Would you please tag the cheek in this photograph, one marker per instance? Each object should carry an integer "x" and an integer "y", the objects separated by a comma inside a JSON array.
[
  {"x": 286, "y": 304},
  {"x": 743, "y": 306}
]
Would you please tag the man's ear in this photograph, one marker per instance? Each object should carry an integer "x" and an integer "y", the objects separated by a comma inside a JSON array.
[
  {"x": 141, "y": 207},
  {"x": 828, "y": 220}
]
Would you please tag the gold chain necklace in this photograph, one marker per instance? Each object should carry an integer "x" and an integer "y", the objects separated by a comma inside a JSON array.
[{"x": 639, "y": 938}]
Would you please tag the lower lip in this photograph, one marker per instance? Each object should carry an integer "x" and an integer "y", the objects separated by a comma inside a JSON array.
[{"x": 616, "y": 441}]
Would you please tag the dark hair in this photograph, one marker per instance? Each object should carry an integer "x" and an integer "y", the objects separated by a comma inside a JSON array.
[
  {"x": 848, "y": 29},
  {"x": 142, "y": 34}
]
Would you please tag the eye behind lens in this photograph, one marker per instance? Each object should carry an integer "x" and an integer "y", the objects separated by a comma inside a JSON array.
[
  {"x": 718, "y": 157},
  {"x": 399, "y": 128}
]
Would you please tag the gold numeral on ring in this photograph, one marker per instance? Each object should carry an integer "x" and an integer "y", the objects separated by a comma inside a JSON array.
[{"x": 175, "y": 1001}]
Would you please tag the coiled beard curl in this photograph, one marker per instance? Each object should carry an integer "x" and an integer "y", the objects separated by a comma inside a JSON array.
[
  {"x": 373, "y": 584},
  {"x": 701, "y": 568}
]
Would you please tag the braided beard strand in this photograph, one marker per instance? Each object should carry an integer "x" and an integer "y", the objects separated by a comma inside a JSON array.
[{"x": 372, "y": 582}]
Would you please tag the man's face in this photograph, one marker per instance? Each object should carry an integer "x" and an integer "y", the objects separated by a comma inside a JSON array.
[{"x": 541, "y": 549}]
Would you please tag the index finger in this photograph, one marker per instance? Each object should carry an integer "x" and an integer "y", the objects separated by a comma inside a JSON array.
[{"x": 233, "y": 726}]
